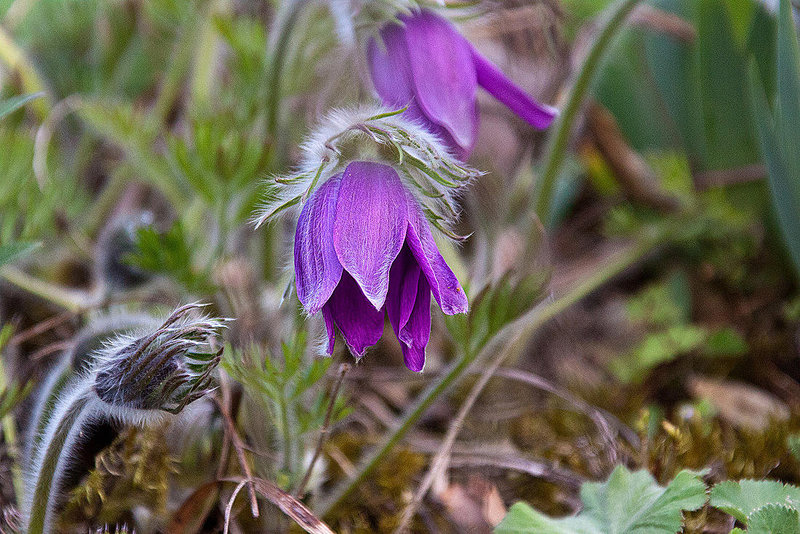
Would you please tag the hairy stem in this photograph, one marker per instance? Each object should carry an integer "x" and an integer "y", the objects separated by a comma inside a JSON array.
[
  {"x": 559, "y": 138},
  {"x": 52, "y": 458},
  {"x": 519, "y": 331}
]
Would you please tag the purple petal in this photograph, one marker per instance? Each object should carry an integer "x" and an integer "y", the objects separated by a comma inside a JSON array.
[
  {"x": 443, "y": 75},
  {"x": 361, "y": 325},
  {"x": 317, "y": 269},
  {"x": 328, "y": 316},
  {"x": 499, "y": 86},
  {"x": 415, "y": 334},
  {"x": 389, "y": 68},
  {"x": 370, "y": 225},
  {"x": 444, "y": 284},
  {"x": 403, "y": 279}
]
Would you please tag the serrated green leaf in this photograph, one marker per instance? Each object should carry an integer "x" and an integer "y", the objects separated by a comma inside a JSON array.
[
  {"x": 628, "y": 502},
  {"x": 13, "y": 104},
  {"x": 774, "y": 519},
  {"x": 740, "y": 499}
]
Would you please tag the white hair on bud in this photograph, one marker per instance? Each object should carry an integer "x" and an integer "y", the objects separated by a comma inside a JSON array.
[
  {"x": 435, "y": 186},
  {"x": 151, "y": 364}
]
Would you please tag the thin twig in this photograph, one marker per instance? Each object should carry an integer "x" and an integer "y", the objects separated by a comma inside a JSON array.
[
  {"x": 288, "y": 505},
  {"x": 41, "y": 327},
  {"x": 238, "y": 446},
  {"x": 726, "y": 177},
  {"x": 440, "y": 460},
  {"x": 229, "y": 506},
  {"x": 602, "y": 419},
  {"x": 531, "y": 467},
  {"x": 343, "y": 368}
]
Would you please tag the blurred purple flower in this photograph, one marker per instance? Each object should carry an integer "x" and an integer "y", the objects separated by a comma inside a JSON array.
[
  {"x": 363, "y": 247},
  {"x": 425, "y": 64}
]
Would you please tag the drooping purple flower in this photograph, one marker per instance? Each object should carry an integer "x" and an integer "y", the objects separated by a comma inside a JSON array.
[
  {"x": 363, "y": 248},
  {"x": 425, "y": 64}
]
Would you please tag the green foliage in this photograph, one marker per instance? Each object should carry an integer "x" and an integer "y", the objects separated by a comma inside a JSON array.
[
  {"x": 11, "y": 393},
  {"x": 223, "y": 159},
  {"x": 774, "y": 519},
  {"x": 758, "y": 503},
  {"x": 29, "y": 212},
  {"x": 10, "y": 252},
  {"x": 793, "y": 444},
  {"x": 287, "y": 388},
  {"x": 494, "y": 307},
  {"x": 665, "y": 308},
  {"x": 669, "y": 91},
  {"x": 11, "y": 105},
  {"x": 778, "y": 130},
  {"x": 628, "y": 502},
  {"x": 169, "y": 253}
]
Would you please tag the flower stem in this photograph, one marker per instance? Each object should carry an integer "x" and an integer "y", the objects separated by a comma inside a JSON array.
[
  {"x": 559, "y": 138},
  {"x": 323, "y": 434},
  {"x": 520, "y": 331},
  {"x": 72, "y": 300},
  {"x": 285, "y": 24},
  {"x": 51, "y": 460}
]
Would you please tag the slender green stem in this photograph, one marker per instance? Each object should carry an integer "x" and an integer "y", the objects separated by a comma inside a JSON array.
[
  {"x": 285, "y": 22},
  {"x": 520, "y": 330},
  {"x": 50, "y": 464},
  {"x": 69, "y": 299},
  {"x": 559, "y": 138},
  {"x": 286, "y": 437}
]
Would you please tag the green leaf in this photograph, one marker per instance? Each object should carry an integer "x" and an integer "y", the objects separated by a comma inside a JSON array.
[
  {"x": 774, "y": 519},
  {"x": 658, "y": 348},
  {"x": 778, "y": 132},
  {"x": 13, "y": 104},
  {"x": 628, "y": 502},
  {"x": 740, "y": 499},
  {"x": 727, "y": 120},
  {"x": 14, "y": 251},
  {"x": 793, "y": 444}
]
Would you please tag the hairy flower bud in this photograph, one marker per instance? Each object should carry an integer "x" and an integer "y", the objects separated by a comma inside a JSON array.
[
  {"x": 163, "y": 370},
  {"x": 133, "y": 379}
]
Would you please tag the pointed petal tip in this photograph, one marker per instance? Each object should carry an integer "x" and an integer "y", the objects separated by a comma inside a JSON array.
[
  {"x": 491, "y": 78},
  {"x": 414, "y": 358}
]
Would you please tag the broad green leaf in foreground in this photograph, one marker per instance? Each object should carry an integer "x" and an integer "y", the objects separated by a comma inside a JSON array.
[
  {"x": 628, "y": 502},
  {"x": 741, "y": 499},
  {"x": 774, "y": 519}
]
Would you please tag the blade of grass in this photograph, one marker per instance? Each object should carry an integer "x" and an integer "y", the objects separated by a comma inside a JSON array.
[{"x": 557, "y": 141}]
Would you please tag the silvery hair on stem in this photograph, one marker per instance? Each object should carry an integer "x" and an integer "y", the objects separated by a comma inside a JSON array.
[{"x": 133, "y": 379}]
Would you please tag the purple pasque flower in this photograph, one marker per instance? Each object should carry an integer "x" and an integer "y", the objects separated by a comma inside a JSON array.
[
  {"x": 363, "y": 248},
  {"x": 425, "y": 64}
]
